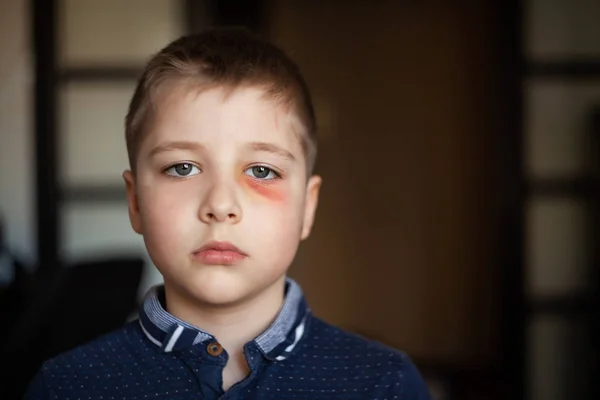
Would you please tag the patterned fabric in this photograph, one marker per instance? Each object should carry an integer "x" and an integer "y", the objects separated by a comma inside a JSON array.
[{"x": 161, "y": 357}]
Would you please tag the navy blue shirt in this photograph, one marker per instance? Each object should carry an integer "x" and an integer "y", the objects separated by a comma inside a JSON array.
[{"x": 159, "y": 356}]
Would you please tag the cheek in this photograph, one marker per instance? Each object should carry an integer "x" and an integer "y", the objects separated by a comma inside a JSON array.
[
  {"x": 165, "y": 220},
  {"x": 274, "y": 236},
  {"x": 275, "y": 217}
]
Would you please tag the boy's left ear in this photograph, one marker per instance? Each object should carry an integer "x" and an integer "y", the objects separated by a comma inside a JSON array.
[{"x": 310, "y": 204}]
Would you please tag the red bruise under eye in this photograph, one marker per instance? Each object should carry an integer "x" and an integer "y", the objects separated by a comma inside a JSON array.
[{"x": 270, "y": 191}]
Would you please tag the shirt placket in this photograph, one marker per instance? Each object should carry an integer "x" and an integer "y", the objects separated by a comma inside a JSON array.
[{"x": 206, "y": 362}]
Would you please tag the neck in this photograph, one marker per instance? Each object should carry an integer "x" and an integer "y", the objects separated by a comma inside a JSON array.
[{"x": 233, "y": 325}]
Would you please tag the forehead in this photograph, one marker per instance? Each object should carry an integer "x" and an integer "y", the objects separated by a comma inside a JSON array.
[{"x": 220, "y": 114}]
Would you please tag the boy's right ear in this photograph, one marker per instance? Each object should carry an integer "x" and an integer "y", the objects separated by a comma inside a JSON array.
[{"x": 132, "y": 202}]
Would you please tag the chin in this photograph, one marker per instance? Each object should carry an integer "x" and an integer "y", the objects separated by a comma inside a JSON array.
[
  {"x": 218, "y": 296},
  {"x": 217, "y": 288}
]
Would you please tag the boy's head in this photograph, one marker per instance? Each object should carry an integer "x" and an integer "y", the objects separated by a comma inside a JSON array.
[
  {"x": 228, "y": 59},
  {"x": 221, "y": 141}
]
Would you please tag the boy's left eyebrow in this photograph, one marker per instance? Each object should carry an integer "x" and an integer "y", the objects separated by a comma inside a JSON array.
[{"x": 272, "y": 148}]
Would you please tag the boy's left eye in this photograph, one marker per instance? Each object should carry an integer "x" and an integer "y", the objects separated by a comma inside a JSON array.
[{"x": 261, "y": 172}]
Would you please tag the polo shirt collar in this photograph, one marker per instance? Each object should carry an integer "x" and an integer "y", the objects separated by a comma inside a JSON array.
[{"x": 276, "y": 343}]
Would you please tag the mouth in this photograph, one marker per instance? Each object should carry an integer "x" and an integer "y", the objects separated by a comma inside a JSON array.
[{"x": 219, "y": 253}]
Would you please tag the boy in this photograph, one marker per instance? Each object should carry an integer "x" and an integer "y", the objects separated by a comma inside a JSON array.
[{"x": 221, "y": 140}]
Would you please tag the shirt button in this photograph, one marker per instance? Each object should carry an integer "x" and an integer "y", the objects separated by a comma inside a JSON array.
[{"x": 214, "y": 349}]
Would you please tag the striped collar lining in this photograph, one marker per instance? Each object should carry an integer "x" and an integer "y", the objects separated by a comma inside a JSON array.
[{"x": 170, "y": 332}]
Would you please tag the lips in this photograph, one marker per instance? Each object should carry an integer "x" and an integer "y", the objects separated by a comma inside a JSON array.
[{"x": 219, "y": 253}]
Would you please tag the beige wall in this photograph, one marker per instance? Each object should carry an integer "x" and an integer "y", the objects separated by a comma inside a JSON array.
[
  {"x": 558, "y": 243},
  {"x": 17, "y": 156}
]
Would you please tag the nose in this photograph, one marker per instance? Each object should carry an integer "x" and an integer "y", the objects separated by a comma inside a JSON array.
[{"x": 220, "y": 204}]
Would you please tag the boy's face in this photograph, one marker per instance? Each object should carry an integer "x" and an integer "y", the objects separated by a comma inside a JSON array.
[{"x": 221, "y": 171}]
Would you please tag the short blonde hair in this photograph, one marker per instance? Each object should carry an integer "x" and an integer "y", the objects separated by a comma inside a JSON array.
[{"x": 223, "y": 57}]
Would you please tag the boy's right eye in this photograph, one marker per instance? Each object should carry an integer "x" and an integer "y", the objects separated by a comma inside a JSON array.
[{"x": 182, "y": 170}]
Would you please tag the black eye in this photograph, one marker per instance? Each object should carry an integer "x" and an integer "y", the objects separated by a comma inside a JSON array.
[{"x": 262, "y": 172}]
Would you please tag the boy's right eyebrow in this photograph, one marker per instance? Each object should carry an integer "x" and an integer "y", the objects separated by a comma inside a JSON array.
[{"x": 180, "y": 145}]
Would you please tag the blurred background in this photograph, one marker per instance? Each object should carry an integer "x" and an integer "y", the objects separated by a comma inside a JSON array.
[{"x": 459, "y": 142}]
